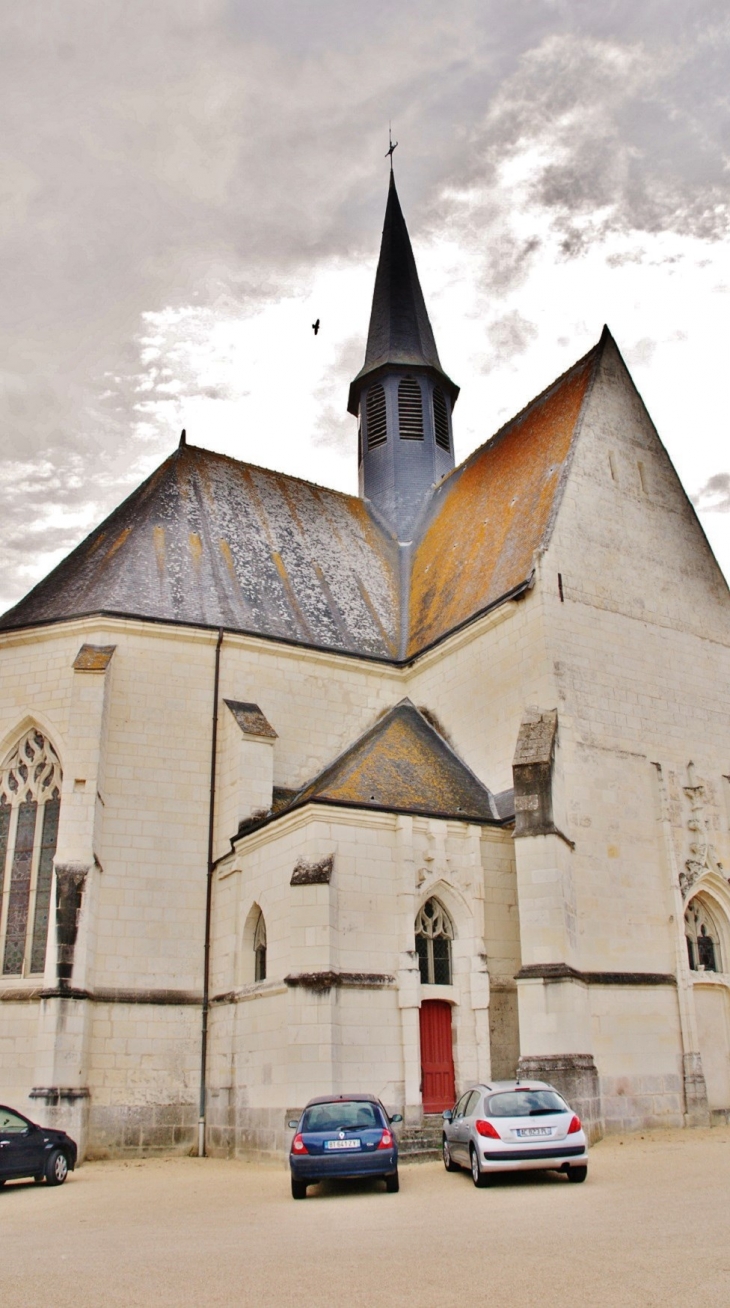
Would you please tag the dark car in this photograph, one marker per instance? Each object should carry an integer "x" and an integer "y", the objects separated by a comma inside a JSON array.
[
  {"x": 343, "y": 1136},
  {"x": 30, "y": 1150}
]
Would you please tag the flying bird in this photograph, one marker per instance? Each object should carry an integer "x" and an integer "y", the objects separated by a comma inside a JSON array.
[{"x": 315, "y": 327}]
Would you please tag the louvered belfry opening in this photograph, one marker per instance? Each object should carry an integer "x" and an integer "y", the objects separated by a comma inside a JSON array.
[
  {"x": 375, "y": 420},
  {"x": 410, "y": 410},
  {"x": 441, "y": 420}
]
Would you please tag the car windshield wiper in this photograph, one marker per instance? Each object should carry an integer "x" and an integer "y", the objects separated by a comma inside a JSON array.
[{"x": 540, "y": 1112}]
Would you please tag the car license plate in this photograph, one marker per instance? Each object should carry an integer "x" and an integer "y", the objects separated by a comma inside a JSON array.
[
  {"x": 342, "y": 1144},
  {"x": 534, "y": 1130}
]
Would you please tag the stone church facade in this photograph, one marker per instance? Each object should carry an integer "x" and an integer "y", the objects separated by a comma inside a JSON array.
[{"x": 303, "y": 792}]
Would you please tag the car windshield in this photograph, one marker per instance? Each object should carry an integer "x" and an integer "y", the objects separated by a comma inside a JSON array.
[
  {"x": 347, "y": 1115},
  {"x": 525, "y": 1103}
]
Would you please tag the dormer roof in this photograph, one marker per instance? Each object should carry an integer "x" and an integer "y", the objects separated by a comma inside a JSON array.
[{"x": 402, "y": 764}]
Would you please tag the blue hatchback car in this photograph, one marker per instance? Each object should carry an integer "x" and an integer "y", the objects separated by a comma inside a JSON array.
[{"x": 343, "y": 1136}]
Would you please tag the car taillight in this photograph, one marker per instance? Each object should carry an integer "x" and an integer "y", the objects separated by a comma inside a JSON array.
[
  {"x": 574, "y": 1126},
  {"x": 386, "y": 1140},
  {"x": 298, "y": 1146},
  {"x": 486, "y": 1128}
]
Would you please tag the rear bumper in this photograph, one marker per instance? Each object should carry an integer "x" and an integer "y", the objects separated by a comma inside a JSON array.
[
  {"x": 507, "y": 1160},
  {"x": 319, "y": 1167}
]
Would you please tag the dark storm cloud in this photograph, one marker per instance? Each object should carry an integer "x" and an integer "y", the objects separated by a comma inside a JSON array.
[{"x": 165, "y": 154}]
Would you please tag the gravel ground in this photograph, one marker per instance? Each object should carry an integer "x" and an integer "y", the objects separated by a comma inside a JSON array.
[{"x": 649, "y": 1227}]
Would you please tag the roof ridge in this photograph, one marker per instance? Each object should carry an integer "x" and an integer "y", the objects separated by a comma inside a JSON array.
[{"x": 260, "y": 467}]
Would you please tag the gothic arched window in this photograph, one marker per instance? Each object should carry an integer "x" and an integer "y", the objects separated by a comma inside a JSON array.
[
  {"x": 376, "y": 427},
  {"x": 441, "y": 420},
  {"x": 259, "y": 950},
  {"x": 703, "y": 938},
  {"x": 434, "y": 934},
  {"x": 410, "y": 410},
  {"x": 30, "y": 802}
]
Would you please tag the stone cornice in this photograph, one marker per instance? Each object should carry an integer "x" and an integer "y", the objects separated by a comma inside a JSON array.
[
  {"x": 328, "y": 980},
  {"x": 102, "y": 623},
  {"x": 564, "y": 972}
]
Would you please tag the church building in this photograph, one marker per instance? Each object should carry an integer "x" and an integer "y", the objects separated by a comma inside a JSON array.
[{"x": 307, "y": 793}]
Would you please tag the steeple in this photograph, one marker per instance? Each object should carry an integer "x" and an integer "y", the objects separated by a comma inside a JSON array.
[{"x": 401, "y": 395}]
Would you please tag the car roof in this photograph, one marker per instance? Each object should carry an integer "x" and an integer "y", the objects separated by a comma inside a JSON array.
[
  {"x": 496, "y": 1086},
  {"x": 339, "y": 1099}
]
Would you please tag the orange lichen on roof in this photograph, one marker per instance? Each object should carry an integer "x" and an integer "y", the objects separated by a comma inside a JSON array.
[
  {"x": 404, "y": 765},
  {"x": 158, "y": 535},
  {"x": 492, "y": 513}
]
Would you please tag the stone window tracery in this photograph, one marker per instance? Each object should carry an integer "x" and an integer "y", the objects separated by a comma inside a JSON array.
[
  {"x": 703, "y": 938},
  {"x": 30, "y": 802},
  {"x": 434, "y": 934},
  {"x": 259, "y": 949}
]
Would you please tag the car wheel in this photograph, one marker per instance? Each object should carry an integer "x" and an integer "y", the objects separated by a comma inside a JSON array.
[
  {"x": 477, "y": 1175},
  {"x": 56, "y": 1167},
  {"x": 577, "y": 1174},
  {"x": 298, "y": 1189},
  {"x": 449, "y": 1163},
  {"x": 392, "y": 1184}
]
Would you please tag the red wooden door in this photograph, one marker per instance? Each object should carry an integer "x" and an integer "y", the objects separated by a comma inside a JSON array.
[{"x": 437, "y": 1058}]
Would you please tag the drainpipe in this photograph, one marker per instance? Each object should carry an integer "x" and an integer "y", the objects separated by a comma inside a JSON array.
[{"x": 208, "y": 905}]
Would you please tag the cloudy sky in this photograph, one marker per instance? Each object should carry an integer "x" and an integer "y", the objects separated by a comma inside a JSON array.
[{"x": 186, "y": 185}]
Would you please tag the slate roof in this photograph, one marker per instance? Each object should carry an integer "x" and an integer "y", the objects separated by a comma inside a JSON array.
[
  {"x": 400, "y": 765},
  {"x": 400, "y": 329},
  {"x": 210, "y": 541}
]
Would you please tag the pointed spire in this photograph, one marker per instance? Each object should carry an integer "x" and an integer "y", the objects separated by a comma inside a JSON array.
[{"x": 400, "y": 332}]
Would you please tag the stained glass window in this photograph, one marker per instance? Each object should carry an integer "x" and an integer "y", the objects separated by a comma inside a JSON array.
[{"x": 30, "y": 798}]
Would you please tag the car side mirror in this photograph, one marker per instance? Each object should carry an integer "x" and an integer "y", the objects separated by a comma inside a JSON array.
[
  {"x": 447, "y": 1115},
  {"x": 293, "y": 1123},
  {"x": 397, "y": 1117}
]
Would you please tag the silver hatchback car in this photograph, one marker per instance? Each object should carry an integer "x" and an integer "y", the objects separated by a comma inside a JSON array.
[{"x": 514, "y": 1126}]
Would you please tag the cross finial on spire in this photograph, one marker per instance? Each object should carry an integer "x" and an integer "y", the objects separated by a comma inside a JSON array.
[{"x": 392, "y": 146}]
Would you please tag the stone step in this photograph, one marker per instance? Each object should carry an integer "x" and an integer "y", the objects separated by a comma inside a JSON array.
[{"x": 421, "y": 1143}]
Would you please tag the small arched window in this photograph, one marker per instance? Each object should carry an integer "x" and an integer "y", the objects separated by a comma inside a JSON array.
[
  {"x": 410, "y": 410},
  {"x": 259, "y": 950},
  {"x": 30, "y": 802},
  {"x": 375, "y": 420},
  {"x": 441, "y": 420},
  {"x": 434, "y": 933},
  {"x": 703, "y": 938}
]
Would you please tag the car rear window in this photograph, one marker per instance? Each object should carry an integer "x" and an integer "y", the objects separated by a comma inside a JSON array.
[
  {"x": 525, "y": 1103},
  {"x": 349, "y": 1114}
]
